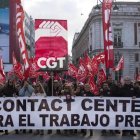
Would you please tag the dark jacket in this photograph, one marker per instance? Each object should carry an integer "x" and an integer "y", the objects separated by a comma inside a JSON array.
[
  {"x": 128, "y": 91},
  {"x": 9, "y": 91},
  {"x": 105, "y": 92},
  {"x": 89, "y": 93}
]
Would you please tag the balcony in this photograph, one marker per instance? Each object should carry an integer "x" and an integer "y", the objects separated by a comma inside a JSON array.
[{"x": 118, "y": 44}]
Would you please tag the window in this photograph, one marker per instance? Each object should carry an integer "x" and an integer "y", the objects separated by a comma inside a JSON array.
[
  {"x": 135, "y": 33},
  {"x": 90, "y": 48},
  {"x": 118, "y": 38},
  {"x": 136, "y": 57},
  {"x": 117, "y": 57},
  {"x": 136, "y": 70}
]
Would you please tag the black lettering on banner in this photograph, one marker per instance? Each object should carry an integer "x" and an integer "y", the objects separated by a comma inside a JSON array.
[
  {"x": 1, "y": 120},
  {"x": 64, "y": 120},
  {"x": 124, "y": 104},
  {"x": 129, "y": 121},
  {"x": 135, "y": 106},
  {"x": 32, "y": 101},
  {"x": 119, "y": 119},
  {"x": 104, "y": 120},
  {"x": 29, "y": 121},
  {"x": 96, "y": 120},
  {"x": 85, "y": 120},
  {"x": 22, "y": 120},
  {"x": 54, "y": 119},
  {"x": 99, "y": 104},
  {"x": 75, "y": 120},
  {"x": 54, "y": 108},
  {"x": 21, "y": 105},
  {"x": 68, "y": 106},
  {"x": 110, "y": 105},
  {"x": 9, "y": 121},
  {"x": 83, "y": 104},
  {"x": 43, "y": 116},
  {"x": 8, "y": 105},
  {"x": 137, "y": 121},
  {"x": 44, "y": 105}
]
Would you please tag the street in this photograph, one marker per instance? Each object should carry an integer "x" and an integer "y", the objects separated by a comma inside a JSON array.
[{"x": 54, "y": 136}]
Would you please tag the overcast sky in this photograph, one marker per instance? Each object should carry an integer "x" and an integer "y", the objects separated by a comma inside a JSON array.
[{"x": 74, "y": 11}]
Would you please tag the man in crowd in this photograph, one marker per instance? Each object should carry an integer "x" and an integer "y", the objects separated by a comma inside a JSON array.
[{"x": 128, "y": 90}]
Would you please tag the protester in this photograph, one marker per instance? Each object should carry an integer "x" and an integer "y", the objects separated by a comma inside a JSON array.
[
  {"x": 128, "y": 90},
  {"x": 105, "y": 91},
  {"x": 26, "y": 91},
  {"x": 55, "y": 91},
  {"x": 88, "y": 93},
  {"x": 9, "y": 90},
  {"x": 39, "y": 91}
]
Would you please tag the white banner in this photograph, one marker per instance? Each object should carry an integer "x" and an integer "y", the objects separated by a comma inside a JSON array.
[{"x": 76, "y": 113}]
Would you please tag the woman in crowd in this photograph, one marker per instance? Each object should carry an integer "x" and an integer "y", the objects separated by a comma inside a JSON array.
[{"x": 39, "y": 91}]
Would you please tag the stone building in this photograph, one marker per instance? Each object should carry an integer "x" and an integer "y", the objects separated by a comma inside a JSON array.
[
  {"x": 125, "y": 25},
  {"x": 29, "y": 34}
]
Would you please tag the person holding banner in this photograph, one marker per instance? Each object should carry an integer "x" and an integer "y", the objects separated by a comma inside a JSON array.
[
  {"x": 26, "y": 91},
  {"x": 88, "y": 93},
  {"x": 39, "y": 91},
  {"x": 128, "y": 90},
  {"x": 9, "y": 90},
  {"x": 105, "y": 91},
  {"x": 56, "y": 92},
  {"x": 67, "y": 92},
  {"x": 137, "y": 88}
]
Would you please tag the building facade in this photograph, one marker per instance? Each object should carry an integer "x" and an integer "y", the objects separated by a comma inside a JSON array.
[
  {"x": 8, "y": 34},
  {"x": 125, "y": 25},
  {"x": 29, "y": 32}
]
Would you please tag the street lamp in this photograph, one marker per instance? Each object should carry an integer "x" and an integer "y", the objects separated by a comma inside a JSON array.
[{"x": 98, "y": 7}]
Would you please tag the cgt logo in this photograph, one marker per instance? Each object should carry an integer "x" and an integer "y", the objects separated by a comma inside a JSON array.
[{"x": 51, "y": 62}]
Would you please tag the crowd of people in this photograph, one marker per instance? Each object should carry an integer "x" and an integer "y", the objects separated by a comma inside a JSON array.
[{"x": 109, "y": 88}]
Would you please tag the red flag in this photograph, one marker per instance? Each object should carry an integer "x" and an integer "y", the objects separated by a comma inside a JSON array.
[
  {"x": 33, "y": 68},
  {"x": 107, "y": 33},
  {"x": 93, "y": 86},
  {"x": 20, "y": 33},
  {"x": 88, "y": 63},
  {"x": 17, "y": 67},
  {"x": 82, "y": 71},
  {"x": 120, "y": 65},
  {"x": 138, "y": 77},
  {"x": 56, "y": 76},
  {"x": 2, "y": 73},
  {"x": 72, "y": 70},
  {"x": 10, "y": 73},
  {"x": 46, "y": 76},
  {"x": 101, "y": 77},
  {"x": 94, "y": 66},
  {"x": 100, "y": 58}
]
